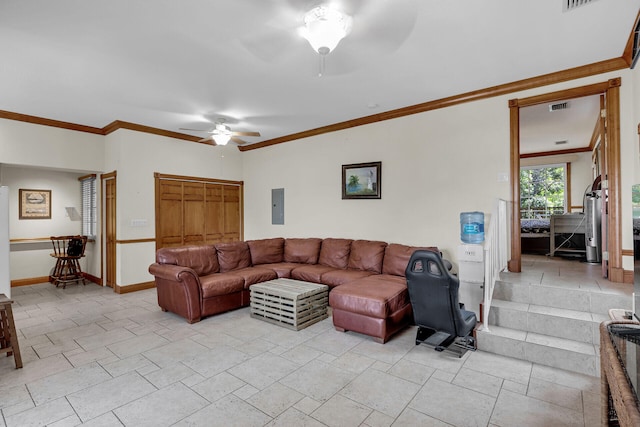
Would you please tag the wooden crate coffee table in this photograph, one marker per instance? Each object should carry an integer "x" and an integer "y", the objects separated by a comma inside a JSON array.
[{"x": 293, "y": 304}]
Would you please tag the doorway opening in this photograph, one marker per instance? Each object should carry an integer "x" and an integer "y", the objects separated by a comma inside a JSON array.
[{"x": 602, "y": 151}]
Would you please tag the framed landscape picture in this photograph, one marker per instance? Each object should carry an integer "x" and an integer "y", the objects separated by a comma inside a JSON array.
[
  {"x": 361, "y": 180},
  {"x": 35, "y": 204}
]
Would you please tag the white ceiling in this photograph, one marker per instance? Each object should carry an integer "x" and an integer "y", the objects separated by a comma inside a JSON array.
[
  {"x": 541, "y": 128},
  {"x": 172, "y": 64}
]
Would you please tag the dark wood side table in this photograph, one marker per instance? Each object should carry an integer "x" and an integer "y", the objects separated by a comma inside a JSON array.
[
  {"x": 8, "y": 335},
  {"x": 619, "y": 400}
]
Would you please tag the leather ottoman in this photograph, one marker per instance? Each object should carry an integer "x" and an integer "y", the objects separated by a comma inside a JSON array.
[{"x": 372, "y": 307}]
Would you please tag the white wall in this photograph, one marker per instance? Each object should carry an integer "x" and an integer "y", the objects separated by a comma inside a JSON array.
[
  {"x": 136, "y": 157},
  {"x": 37, "y": 156},
  {"x": 633, "y": 155},
  {"x": 434, "y": 166},
  {"x": 635, "y": 81},
  {"x": 32, "y": 259},
  {"x": 25, "y": 144},
  {"x": 5, "y": 265},
  {"x": 628, "y": 157}
]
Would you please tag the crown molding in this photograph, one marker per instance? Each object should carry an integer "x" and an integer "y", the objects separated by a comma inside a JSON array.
[
  {"x": 110, "y": 128},
  {"x": 555, "y": 153},
  {"x": 48, "y": 122},
  {"x": 601, "y": 67},
  {"x": 627, "y": 54},
  {"x": 119, "y": 124}
]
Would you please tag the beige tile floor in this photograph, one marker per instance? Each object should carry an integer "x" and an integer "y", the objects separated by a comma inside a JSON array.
[
  {"x": 95, "y": 358},
  {"x": 566, "y": 273}
]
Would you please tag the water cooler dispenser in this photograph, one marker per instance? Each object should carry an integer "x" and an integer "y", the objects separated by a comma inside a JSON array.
[
  {"x": 471, "y": 276},
  {"x": 593, "y": 232}
]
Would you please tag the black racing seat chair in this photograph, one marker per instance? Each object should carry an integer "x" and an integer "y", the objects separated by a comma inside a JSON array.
[{"x": 440, "y": 317}]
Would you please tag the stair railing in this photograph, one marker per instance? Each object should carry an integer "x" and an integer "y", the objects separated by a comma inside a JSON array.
[{"x": 495, "y": 255}]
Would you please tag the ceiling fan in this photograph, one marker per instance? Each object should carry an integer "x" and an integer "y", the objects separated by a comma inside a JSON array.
[
  {"x": 369, "y": 29},
  {"x": 221, "y": 134}
]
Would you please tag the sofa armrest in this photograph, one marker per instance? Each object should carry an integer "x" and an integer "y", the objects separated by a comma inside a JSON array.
[
  {"x": 170, "y": 271},
  {"x": 178, "y": 289}
]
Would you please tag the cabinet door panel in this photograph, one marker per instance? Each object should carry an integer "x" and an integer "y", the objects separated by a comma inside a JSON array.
[
  {"x": 193, "y": 205},
  {"x": 169, "y": 228},
  {"x": 231, "y": 213},
  {"x": 194, "y": 212},
  {"x": 214, "y": 214}
]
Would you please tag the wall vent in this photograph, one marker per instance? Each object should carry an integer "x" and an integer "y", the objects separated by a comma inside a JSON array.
[
  {"x": 568, "y": 5},
  {"x": 559, "y": 106}
]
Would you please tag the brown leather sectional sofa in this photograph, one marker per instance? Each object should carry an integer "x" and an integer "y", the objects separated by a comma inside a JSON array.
[{"x": 368, "y": 292}]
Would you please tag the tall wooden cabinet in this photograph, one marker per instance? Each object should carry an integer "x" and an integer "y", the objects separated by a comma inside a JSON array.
[{"x": 197, "y": 211}]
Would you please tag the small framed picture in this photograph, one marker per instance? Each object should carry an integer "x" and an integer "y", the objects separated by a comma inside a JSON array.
[
  {"x": 35, "y": 204},
  {"x": 361, "y": 180}
]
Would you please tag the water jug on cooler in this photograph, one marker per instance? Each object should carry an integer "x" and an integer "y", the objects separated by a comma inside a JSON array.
[{"x": 472, "y": 227}]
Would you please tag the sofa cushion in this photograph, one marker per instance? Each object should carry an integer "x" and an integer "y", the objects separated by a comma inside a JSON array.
[
  {"x": 202, "y": 259},
  {"x": 396, "y": 258},
  {"x": 304, "y": 251},
  {"x": 252, "y": 275},
  {"x": 310, "y": 272},
  {"x": 339, "y": 277},
  {"x": 233, "y": 255},
  {"x": 266, "y": 251},
  {"x": 282, "y": 269},
  {"x": 215, "y": 285},
  {"x": 335, "y": 252},
  {"x": 370, "y": 298},
  {"x": 400, "y": 280},
  {"x": 367, "y": 255}
]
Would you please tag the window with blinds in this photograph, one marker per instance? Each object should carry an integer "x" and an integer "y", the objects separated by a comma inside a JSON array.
[{"x": 89, "y": 202}]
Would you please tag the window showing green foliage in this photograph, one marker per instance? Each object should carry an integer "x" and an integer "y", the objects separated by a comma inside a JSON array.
[
  {"x": 542, "y": 191},
  {"x": 635, "y": 200}
]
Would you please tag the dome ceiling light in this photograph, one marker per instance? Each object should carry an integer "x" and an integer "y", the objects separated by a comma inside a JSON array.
[{"x": 324, "y": 27}]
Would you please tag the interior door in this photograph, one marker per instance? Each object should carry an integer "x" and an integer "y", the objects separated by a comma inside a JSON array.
[{"x": 109, "y": 222}]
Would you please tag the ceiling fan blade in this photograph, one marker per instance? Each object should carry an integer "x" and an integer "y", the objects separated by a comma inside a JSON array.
[
  {"x": 246, "y": 133},
  {"x": 208, "y": 140},
  {"x": 238, "y": 140},
  {"x": 195, "y": 130}
]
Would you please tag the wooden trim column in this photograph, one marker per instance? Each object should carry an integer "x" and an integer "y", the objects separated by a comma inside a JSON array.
[
  {"x": 515, "y": 262},
  {"x": 614, "y": 237}
]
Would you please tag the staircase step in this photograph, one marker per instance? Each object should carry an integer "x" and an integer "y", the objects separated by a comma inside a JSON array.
[
  {"x": 551, "y": 314},
  {"x": 542, "y": 349},
  {"x": 557, "y": 322},
  {"x": 567, "y": 297}
]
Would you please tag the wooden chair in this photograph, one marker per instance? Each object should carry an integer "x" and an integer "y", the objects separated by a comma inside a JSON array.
[
  {"x": 68, "y": 250},
  {"x": 8, "y": 334}
]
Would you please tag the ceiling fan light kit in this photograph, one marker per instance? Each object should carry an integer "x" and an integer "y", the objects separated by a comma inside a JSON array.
[
  {"x": 221, "y": 139},
  {"x": 324, "y": 27},
  {"x": 221, "y": 134}
]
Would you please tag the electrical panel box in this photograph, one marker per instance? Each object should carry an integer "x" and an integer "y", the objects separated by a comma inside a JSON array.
[{"x": 277, "y": 206}]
